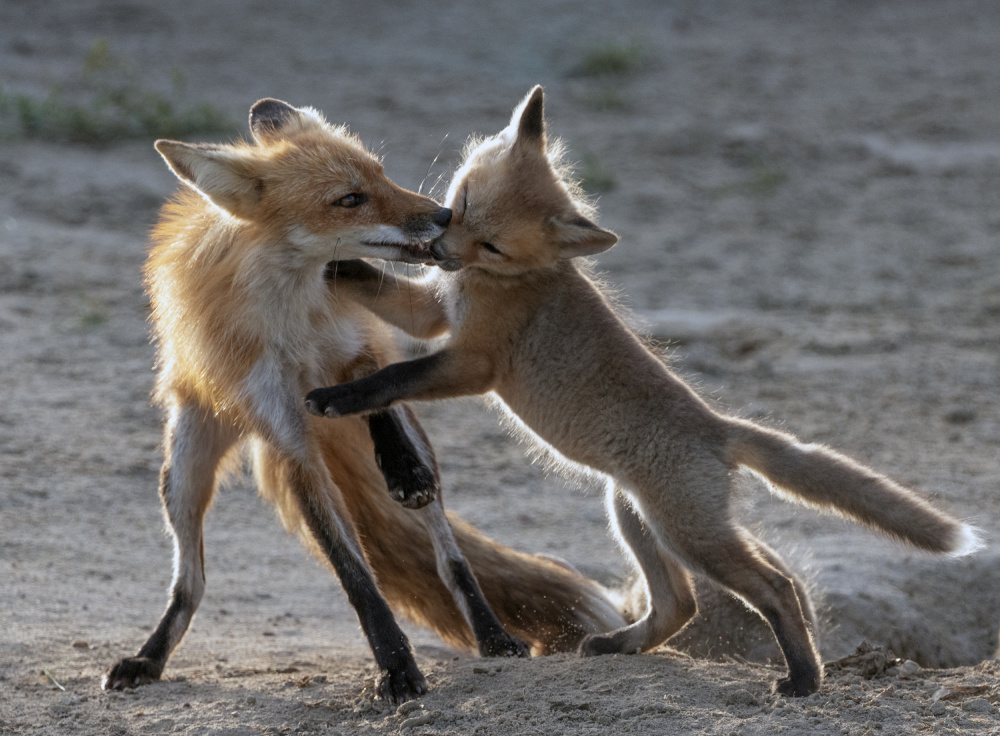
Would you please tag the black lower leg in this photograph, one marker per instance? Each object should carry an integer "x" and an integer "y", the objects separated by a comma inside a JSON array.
[
  {"x": 399, "y": 679},
  {"x": 405, "y": 456},
  {"x": 491, "y": 637},
  {"x": 148, "y": 664}
]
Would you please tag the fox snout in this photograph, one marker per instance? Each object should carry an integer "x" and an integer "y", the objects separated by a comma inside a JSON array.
[
  {"x": 442, "y": 217},
  {"x": 421, "y": 224},
  {"x": 430, "y": 225},
  {"x": 442, "y": 258}
]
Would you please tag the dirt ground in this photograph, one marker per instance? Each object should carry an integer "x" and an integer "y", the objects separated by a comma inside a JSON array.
[{"x": 807, "y": 198}]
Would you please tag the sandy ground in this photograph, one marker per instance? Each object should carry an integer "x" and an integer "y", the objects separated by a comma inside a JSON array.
[{"x": 807, "y": 196}]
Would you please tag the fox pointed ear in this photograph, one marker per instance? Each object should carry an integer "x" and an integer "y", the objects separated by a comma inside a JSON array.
[
  {"x": 222, "y": 174},
  {"x": 577, "y": 236},
  {"x": 529, "y": 120},
  {"x": 272, "y": 119}
]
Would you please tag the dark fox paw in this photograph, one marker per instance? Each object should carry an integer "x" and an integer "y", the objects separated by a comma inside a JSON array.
[
  {"x": 502, "y": 644},
  {"x": 132, "y": 672},
  {"x": 596, "y": 645},
  {"x": 398, "y": 685},
  {"x": 797, "y": 687},
  {"x": 327, "y": 402},
  {"x": 410, "y": 481}
]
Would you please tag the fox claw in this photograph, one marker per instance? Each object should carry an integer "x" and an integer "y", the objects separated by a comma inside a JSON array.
[{"x": 321, "y": 407}]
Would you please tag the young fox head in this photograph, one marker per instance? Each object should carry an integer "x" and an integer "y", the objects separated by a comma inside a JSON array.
[
  {"x": 312, "y": 184},
  {"x": 515, "y": 207}
]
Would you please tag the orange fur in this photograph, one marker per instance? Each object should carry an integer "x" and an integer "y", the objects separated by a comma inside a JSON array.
[{"x": 245, "y": 322}]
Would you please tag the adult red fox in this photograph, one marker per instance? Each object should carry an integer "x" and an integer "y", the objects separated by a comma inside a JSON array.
[
  {"x": 528, "y": 324},
  {"x": 246, "y": 317}
]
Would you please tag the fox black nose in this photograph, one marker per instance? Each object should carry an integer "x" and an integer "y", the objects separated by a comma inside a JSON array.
[{"x": 442, "y": 217}]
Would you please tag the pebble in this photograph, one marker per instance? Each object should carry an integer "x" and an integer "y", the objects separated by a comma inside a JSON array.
[
  {"x": 908, "y": 669},
  {"x": 740, "y": 697},
  {"x": 939, "y": 708},
  {"x": 978, "y": 705}
]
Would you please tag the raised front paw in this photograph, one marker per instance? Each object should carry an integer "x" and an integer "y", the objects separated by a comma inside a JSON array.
[
  {"x": 328, "y": 402},
  {"x": 132, "y": 672},
  {"x": 412, "y": 484}
]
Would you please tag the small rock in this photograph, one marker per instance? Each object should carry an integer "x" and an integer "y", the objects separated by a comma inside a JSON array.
[
  {"x": 740, "y": 697},
  {"x": 479, "y": 670},
  {"x": 80, "y": 644},
  {"x": 978, "y": 705},
  {"x": 938, "y": 708},
  {"x": 908, "y": 669}
]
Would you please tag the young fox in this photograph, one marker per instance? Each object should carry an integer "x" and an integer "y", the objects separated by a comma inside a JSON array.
[
  {"x": 246, "y": 317},
  {"x": 529, "y": 325}
]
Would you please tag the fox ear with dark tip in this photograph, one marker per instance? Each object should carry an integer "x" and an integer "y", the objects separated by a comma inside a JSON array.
[
  {"x": 578, "y": 236},
  {"x": 272, "y": 119},
  {"x": 529, "y": 120},
  {"x": 222, "y": 174}
]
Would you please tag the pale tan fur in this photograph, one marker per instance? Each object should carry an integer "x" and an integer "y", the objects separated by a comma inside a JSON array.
[
  {"x": 245, "y": 322},
  {"x": 530, "y": 326}
]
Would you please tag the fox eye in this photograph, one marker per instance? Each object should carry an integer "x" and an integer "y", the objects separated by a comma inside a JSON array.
[
  {"x": 491, "y": 248},
  {"x": 351, "y": 200}
]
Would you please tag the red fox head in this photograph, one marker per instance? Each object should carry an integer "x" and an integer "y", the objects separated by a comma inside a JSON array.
[
  {"x": 312, "y": 184},
  {"x": 515, "y": 207}
]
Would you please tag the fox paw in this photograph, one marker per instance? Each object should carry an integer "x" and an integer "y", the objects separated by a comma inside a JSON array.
[
  {"x": 797, "y": 687},
  {"x": 414, "y": 488},
  {"x": 502, "y": 644},
  {"x": 323, "y": 402},
  {"x": 410, "y": 481},
  {"x": 596, "y": 645},
  {"x": 132, "y": 672},
  {"x": 398, "y": 685}
]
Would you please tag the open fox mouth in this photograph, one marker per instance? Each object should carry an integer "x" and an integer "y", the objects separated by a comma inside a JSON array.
[{"x": 410, "y": 251}]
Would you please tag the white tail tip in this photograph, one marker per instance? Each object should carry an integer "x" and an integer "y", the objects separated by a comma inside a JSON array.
[{"x": 968, "y": 540}]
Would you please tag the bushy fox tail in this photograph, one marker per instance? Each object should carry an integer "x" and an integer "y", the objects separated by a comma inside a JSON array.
[
  {"x": 825, "y": 479},
  {"x": 548, "y": 605}
]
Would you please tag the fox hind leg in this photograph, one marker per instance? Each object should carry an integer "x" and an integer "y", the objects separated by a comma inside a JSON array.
[
  {"x": 194, "y": 444},
  {"x": 491, "y": 637},
  {"x": 746, "y": 567},
  {"x": 669, "y": 590}
]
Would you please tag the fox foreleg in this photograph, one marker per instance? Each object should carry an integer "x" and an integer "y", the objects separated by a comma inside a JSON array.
[{"x": 443, "y": 375}]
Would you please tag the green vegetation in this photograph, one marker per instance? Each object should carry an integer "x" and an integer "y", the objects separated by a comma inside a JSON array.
[
  {"x": 594, "y": 178},
  {"x": 108, "y": 103},
  {"x": 764, "y": 173},
  {"x": 610, "y": 59}
]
